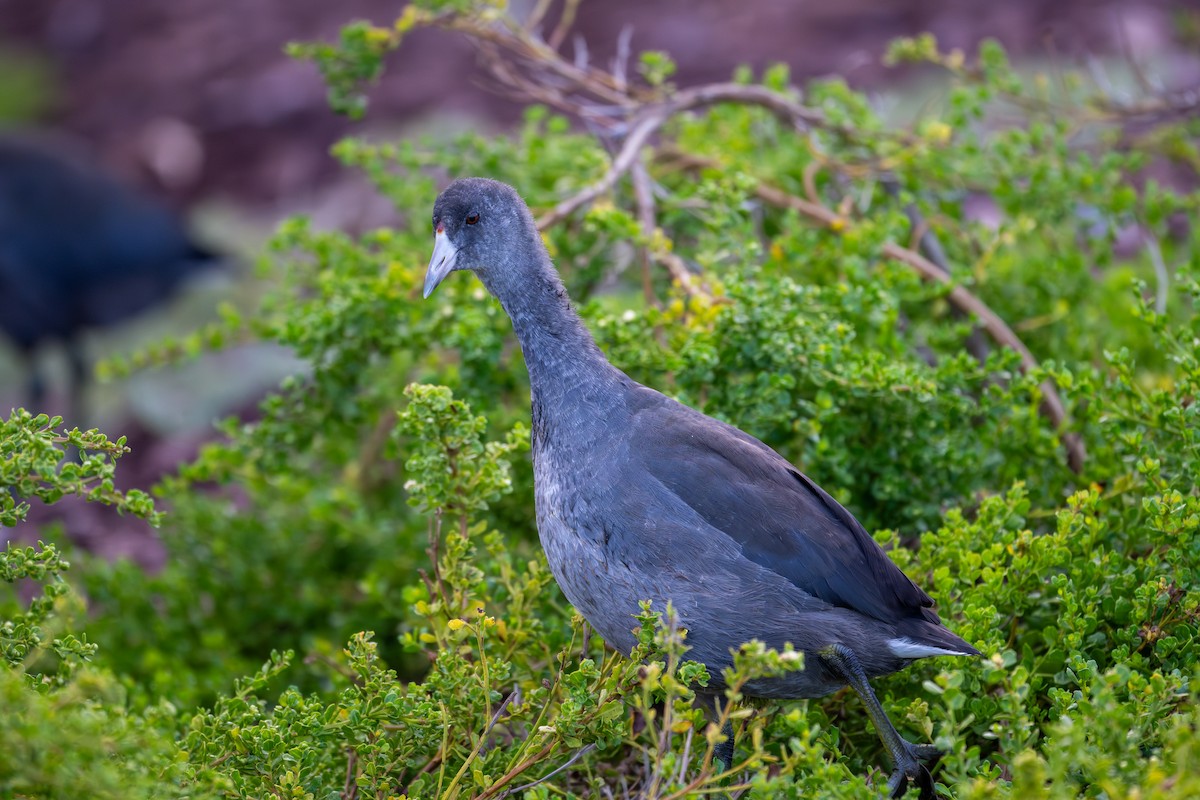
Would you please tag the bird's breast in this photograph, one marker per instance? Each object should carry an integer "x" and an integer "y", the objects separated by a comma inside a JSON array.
[{"x": 604, "y": 589}]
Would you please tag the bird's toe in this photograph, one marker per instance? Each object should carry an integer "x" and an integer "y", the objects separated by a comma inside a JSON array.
[
  {"x": 925, "y": 753},
  {"x": 913, "y": 766}
]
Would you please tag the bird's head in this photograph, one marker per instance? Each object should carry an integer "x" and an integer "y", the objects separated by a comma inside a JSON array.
[{"x": 477, "y": 224}]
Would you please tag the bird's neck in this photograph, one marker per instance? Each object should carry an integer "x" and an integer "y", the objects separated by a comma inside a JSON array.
[{"x": 569, "y": 376}]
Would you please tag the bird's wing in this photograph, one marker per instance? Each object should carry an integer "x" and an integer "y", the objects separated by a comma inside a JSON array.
[{"x": 780, "y": 519}]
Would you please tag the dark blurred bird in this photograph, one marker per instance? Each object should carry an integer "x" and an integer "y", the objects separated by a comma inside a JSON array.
[
  {"x": 79, "y": 250},
  {"x": 641, "y": 498}
]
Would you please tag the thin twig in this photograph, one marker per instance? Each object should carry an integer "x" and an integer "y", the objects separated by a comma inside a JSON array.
[
  {"x": 341, "y": 669},
  {"x": 621, "y": 164},
  {"x": 578, "y": 755},
  {"x": 515, "y": 771},
  {"x": 581, "y": 51},
  {"x": 587, "y": 640},
  {"x": 684, "y": 277},
  {"x": 515, "y": 694},
  {"x": 350, "y": 788},
  {"x": 527, "y": 48},
  {"x": 481, "y": 745},
  {"x": 643, "y": 193},
  {"x": 570, "y": 8},
  {"x": 685, "y": 759},
  {"x": 538, "y": 14},
  {"x": 429, "y": 765}
]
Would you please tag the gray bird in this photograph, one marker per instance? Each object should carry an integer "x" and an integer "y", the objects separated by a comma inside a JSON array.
[{"x": 639, "y": 497}]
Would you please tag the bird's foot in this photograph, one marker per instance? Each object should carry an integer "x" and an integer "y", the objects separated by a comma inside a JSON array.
[{"x": 912, "y": 764}]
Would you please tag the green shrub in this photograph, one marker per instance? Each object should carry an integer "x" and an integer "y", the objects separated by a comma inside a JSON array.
[
  {"x": 64, "y": 729},
  {"x": 804, "y": 300}
]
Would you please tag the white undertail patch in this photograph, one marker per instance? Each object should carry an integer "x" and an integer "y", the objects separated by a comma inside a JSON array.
[{"x": 907, "y": 648}]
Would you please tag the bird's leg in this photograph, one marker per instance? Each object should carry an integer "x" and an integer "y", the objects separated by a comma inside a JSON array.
[
  {"x": 722, "y": 752},
  {"x": 908, "y": 758},
  {"x": 79, "y": 382},
  {"x": 35, "y": 392}
]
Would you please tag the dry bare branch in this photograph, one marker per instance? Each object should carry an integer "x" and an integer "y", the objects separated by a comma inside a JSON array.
[
  {"x": 527, "y": 50},
  {"x": 654, "y": 117}
]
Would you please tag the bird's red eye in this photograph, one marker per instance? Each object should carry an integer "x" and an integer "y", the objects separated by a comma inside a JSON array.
[{"x": 472, "y": 219}]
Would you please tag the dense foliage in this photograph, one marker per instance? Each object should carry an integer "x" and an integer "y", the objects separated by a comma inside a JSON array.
[{"x": 355, "y": 603}]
